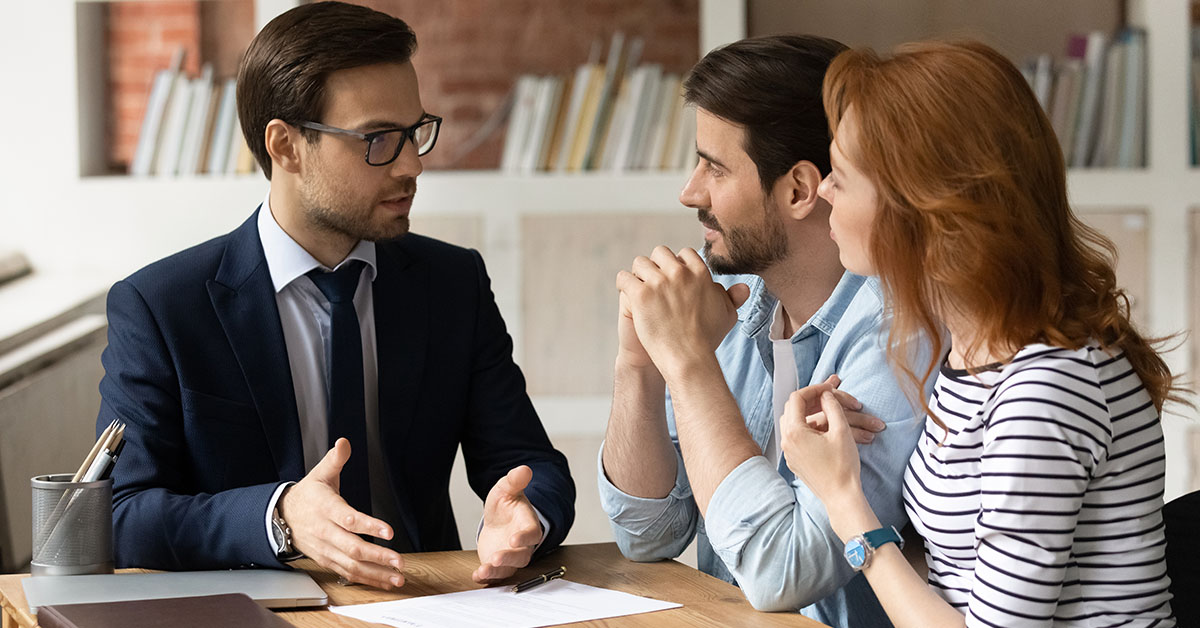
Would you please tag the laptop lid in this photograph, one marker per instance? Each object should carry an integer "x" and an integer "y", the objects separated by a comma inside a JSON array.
[{"x": 269, "y": 587}]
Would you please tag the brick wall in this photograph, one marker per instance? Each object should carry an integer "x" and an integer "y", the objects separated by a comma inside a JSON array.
[
  {"x": 142, "y": 36},
  {"x": 470, "y": 53}
]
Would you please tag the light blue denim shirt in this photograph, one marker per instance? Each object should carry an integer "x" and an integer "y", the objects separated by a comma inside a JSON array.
[{"x": 765, "y": 531}]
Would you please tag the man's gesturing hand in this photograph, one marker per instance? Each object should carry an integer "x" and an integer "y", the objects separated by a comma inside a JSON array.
[
  {"x": 511, "y": 529},
  {"x": 325, "y": 528}
]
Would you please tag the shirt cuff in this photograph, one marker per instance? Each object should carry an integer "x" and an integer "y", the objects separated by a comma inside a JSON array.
[
  {"x": 639, "y": 515},
  {"x": 270, "y": 509},
  {"x": 742, "y": 503},
  {"x": 541, "y": 519}
]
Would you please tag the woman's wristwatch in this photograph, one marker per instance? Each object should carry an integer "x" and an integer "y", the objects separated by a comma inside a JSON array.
[{"x": 861, "y": 548}]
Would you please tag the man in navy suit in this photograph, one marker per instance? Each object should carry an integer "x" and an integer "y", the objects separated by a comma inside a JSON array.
[{"x": 252, "y": 436}]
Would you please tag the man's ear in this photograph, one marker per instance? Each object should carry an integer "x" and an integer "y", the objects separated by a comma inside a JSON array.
[
  {"x": 283, "y": 145},
  {"x": 797, "y": 189}
]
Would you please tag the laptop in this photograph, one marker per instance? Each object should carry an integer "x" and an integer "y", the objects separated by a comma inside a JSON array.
[{"x": 269, "y": 587}]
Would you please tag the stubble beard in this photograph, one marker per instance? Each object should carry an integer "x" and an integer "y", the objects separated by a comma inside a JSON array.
[
  {"x": 751, "y": 250},
  {"x": 351, "y": 220}
]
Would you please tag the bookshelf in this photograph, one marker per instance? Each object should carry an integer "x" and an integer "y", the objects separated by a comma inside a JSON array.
[{"x": 103, "y": 227}]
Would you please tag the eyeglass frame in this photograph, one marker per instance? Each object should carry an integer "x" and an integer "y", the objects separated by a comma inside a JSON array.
[{"x": 410, "y": 135}]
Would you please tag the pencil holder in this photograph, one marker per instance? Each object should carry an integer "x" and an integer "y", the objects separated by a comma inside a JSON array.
[{"x": 72, "y": 526}]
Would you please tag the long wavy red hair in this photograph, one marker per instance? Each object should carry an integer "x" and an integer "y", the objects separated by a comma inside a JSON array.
[{"x": 973, "y": 215}]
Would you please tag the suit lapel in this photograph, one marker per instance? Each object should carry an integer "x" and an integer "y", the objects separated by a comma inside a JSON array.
[
  {"x": 244, "y": 300},
  {"x": 400, "y": 293}
]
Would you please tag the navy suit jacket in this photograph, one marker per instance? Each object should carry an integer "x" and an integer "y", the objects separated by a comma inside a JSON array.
[{"x": 197, "y": 366}]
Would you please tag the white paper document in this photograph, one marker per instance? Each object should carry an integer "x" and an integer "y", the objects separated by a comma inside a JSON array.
[{"x": 553, "y": 603}]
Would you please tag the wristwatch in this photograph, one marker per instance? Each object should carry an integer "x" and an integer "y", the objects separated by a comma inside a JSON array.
[
  {"x": 282, "y": 534},
  {"x": 861, "y": 548}
]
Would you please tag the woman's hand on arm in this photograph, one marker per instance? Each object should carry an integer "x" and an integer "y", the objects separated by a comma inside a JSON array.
[{"x": 822, "y": 454}]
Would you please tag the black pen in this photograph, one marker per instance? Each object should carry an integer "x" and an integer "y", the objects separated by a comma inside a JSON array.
[{"x": 542, "y": 579}]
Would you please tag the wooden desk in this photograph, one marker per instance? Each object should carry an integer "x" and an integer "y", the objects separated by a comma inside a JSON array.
[{"x": 706, "y": 601}]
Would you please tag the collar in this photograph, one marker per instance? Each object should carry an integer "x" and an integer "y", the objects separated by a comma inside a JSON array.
[
  {"x": 287, "y": 260},
  {"x": 757, "y": 312}
]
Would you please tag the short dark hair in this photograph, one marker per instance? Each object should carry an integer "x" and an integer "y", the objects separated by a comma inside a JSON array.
[
  {"x": 283, "y": 72},
  {"x": 772, "y": 87}
]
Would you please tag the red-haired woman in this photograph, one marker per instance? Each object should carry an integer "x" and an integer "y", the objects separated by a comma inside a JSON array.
[{"x": 1038, "y": 483}]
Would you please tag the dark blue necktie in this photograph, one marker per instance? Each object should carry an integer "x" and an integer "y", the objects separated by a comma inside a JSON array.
[{"x": 346, "y": 410}]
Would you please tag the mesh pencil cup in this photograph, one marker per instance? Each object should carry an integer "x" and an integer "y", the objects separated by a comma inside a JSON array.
[{"x": 72, "y": 526}]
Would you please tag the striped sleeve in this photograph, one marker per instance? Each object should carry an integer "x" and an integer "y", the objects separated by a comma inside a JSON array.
[{"x": 1043, "y": 438}]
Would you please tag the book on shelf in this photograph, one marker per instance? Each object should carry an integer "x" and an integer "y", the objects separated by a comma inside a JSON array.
[
  {"x": 226, "y": 122},
  {"x": 580, "y": 84},
  {"x": 198, "y": 116},
  {"x": 170, "y": 137},
  {"x": 524, "y": 94},
  {"x": 1089, "y": 104},
  {"x": 1095, "y": 98},
  {"x": 156, "y": 106},
  {"x": 1108, "y": 113},
  {"x": 1131, "y": 147},
  {"x": 620, "y": 116}
]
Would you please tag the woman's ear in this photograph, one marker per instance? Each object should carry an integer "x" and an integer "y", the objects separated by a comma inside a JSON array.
[
  {"x": 283, "y": 145},
  {"x": 799, "y": 189}
]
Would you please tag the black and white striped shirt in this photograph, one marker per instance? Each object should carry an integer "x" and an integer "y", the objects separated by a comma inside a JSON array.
[{"x": 1043, "y": 504}]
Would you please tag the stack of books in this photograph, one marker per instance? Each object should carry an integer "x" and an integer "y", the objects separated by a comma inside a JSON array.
[
  {"x": 617, "y": 116},
  {"x": 191, "y": 127},
  {"x": 1096, "y": 98}
]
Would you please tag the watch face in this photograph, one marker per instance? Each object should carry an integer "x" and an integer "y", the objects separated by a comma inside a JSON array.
[
  {"x": 856, "y": 554},
  {"x": 277, "y": 532}
]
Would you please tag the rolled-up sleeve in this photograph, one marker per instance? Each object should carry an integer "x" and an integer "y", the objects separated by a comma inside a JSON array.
[{"x": 650, "y": 529}]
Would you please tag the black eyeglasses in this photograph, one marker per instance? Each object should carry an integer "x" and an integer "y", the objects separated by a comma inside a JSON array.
[{"x": 383, "y": 147}]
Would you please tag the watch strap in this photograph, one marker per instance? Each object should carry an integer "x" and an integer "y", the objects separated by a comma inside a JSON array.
[{"x": 883, "y": 536}]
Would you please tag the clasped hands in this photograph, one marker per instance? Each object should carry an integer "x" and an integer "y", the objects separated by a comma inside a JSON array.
[
  {"x": 672, "y": 312},
  {"x": 325, "y": 528}
]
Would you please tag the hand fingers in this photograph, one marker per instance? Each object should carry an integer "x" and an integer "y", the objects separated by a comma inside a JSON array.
[
  {"x": 365, "y": 572},
  {"x": 529, "y": 535},
  {"x": 864, "y": 422},
  {"x": 646, "y": 270},
  {"x": 357, "y": 560},
  {"x": 513, "y": 484},
  {"x": 846, "y": 399},
  {"x": 623, "y": 303},
  {"x": 834, "y": 414},
  {"x": 664, "y": 257},
  {"x": 862, "y": 437},
  {"x": 329, "y": 469},
  {"x": 485, "y": 574},
  {"x": 627, "y": 282},
  {"x": 692, "y": 260},
  {"x": 358, "y": 523},
  {"x": 515, "y": 558},
  {"x": 808, "y": 399}
]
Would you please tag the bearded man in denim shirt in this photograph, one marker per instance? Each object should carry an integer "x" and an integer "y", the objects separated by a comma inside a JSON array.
[{"x": 703, "y": 458}]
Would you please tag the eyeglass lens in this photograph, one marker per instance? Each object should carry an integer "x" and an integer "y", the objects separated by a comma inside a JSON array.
[{"x": 386, "y": 146}]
